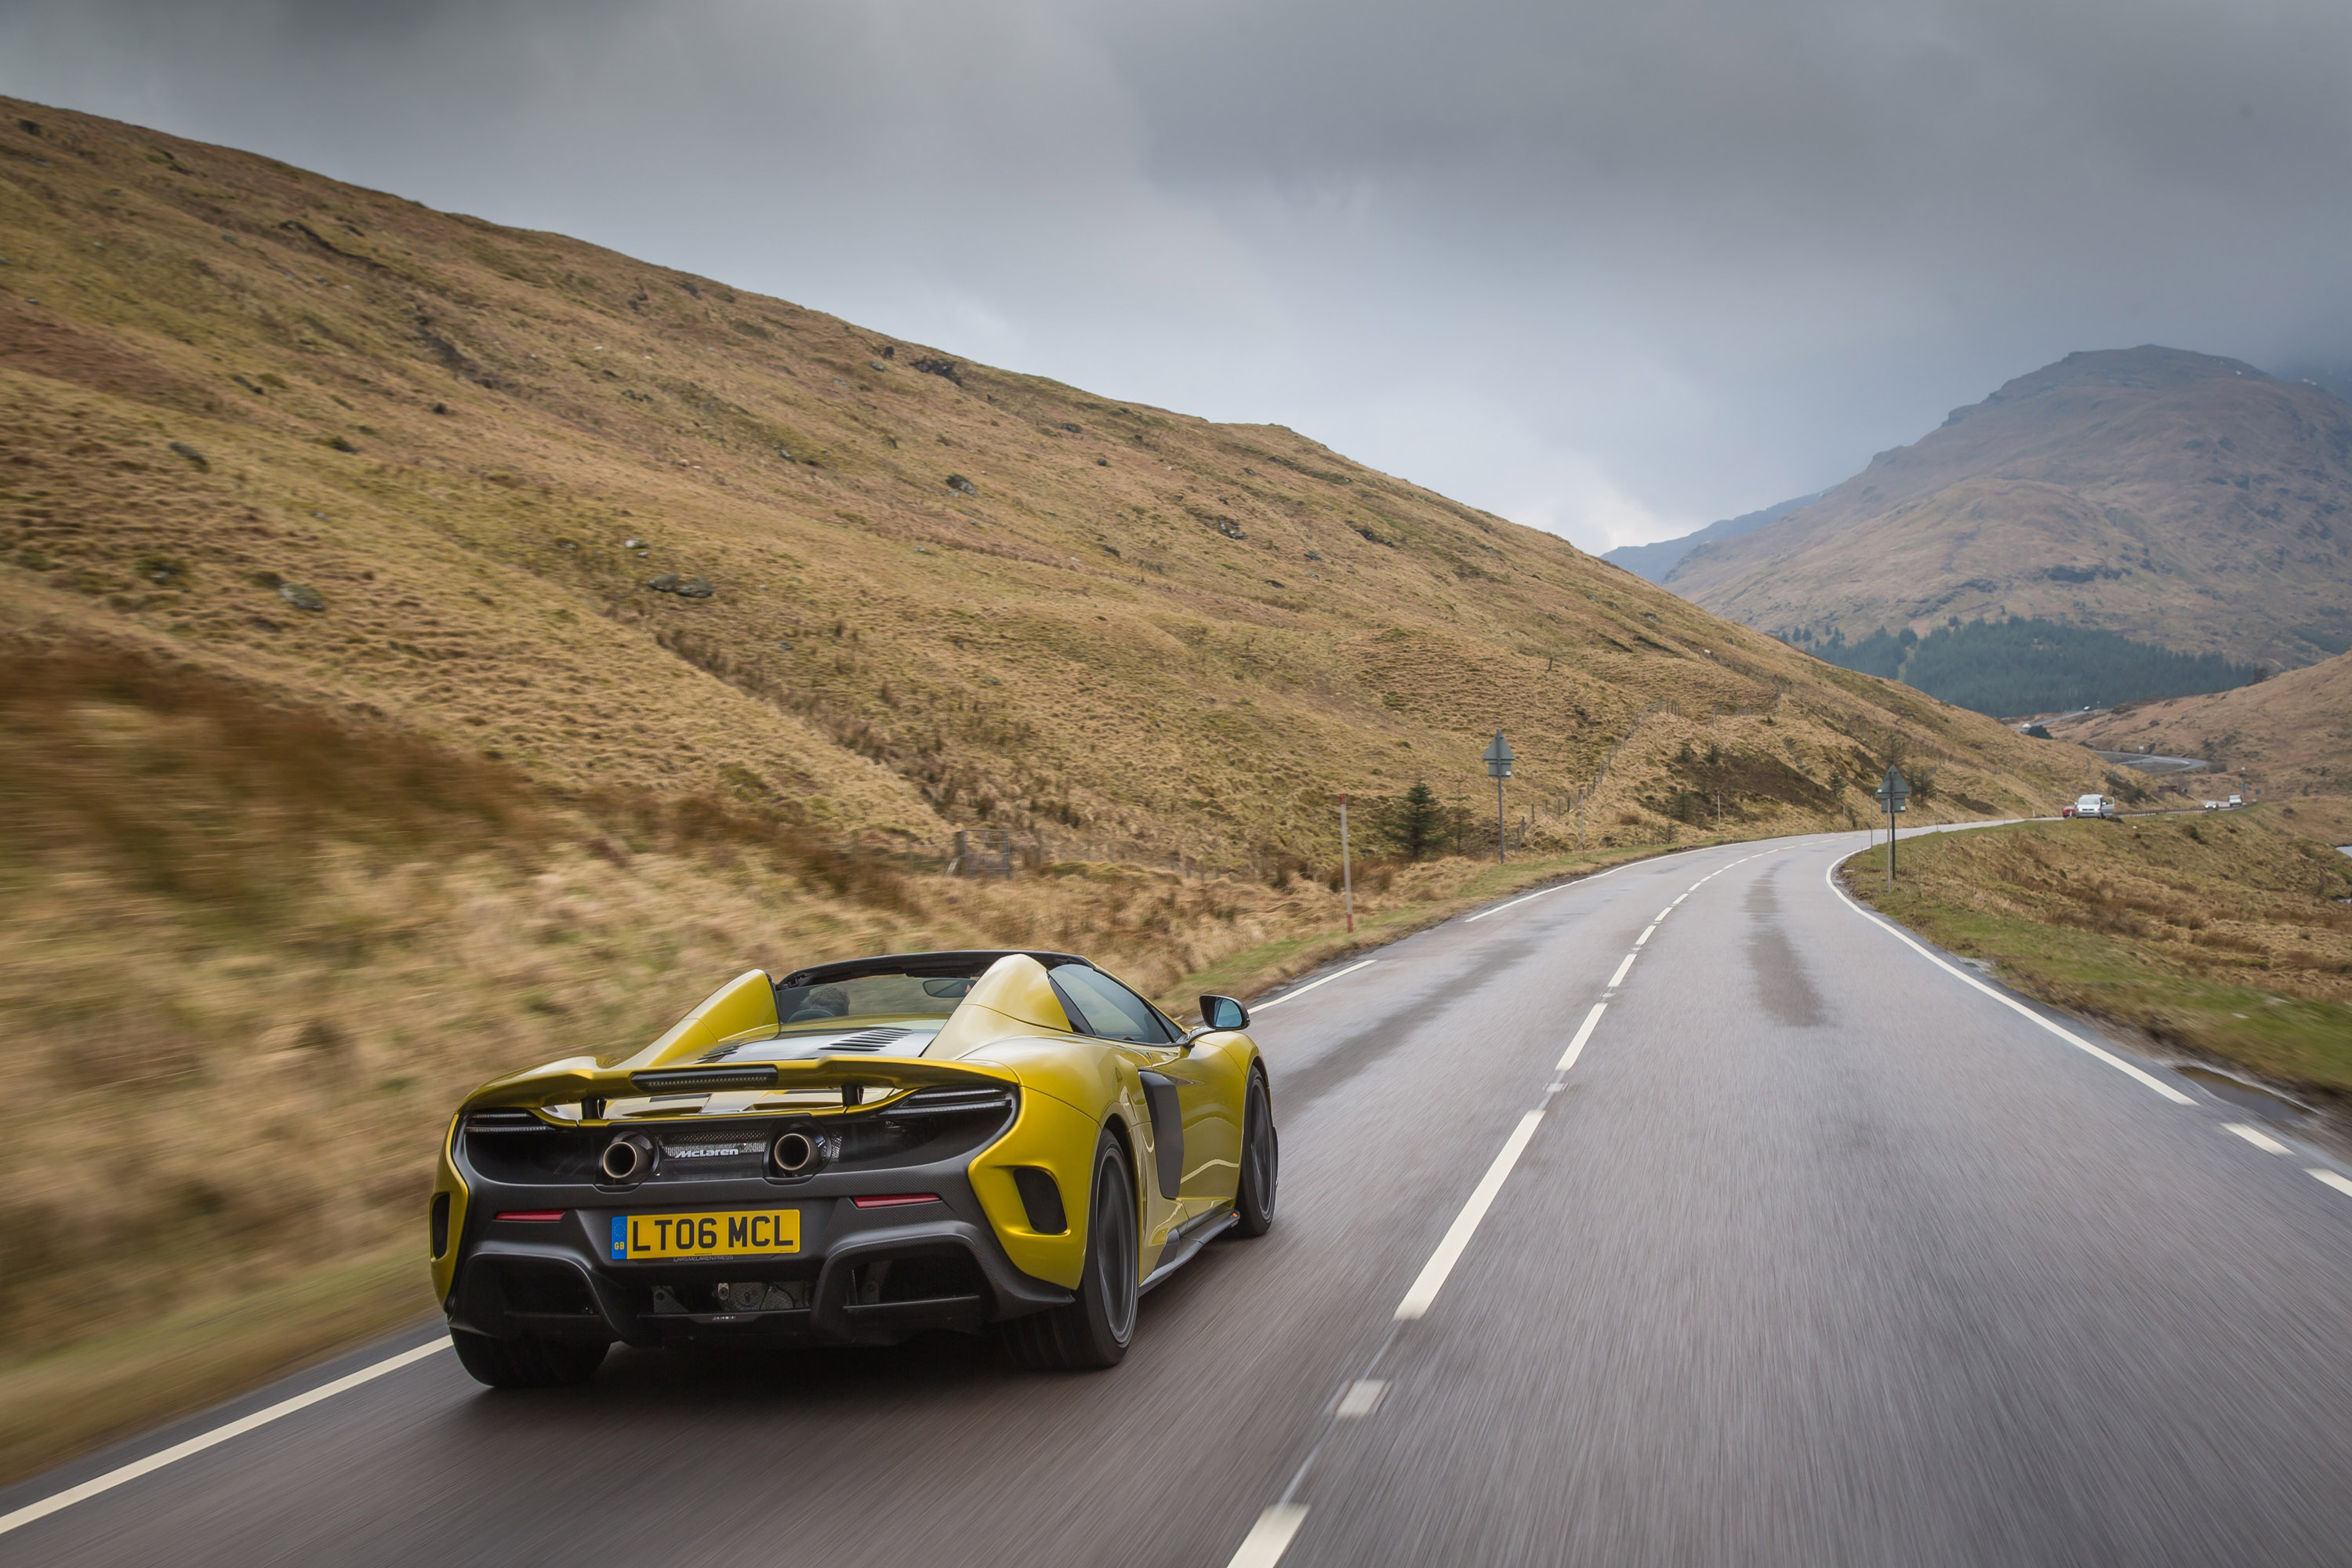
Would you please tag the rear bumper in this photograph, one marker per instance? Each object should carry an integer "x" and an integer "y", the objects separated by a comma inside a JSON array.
[{"x": 863, "y": 1276}]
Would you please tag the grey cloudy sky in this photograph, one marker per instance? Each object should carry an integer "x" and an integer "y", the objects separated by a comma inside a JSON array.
[{"x": 1611, "y": 269}]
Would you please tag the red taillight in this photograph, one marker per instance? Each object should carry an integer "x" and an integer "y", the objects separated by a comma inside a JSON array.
[
  {"x": 896, "y": 1200},
  {"x": 532, "y": 1213}
]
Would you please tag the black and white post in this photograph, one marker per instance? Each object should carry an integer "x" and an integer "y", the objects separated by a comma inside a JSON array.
[
  {"x": 1346, "y": 872},
  {"x": 1499, "y": 757},
  {"x": 1894, "y": 795}
]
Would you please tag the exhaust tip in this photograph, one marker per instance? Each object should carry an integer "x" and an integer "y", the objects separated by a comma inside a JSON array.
[
  {"x": 628, "y": 1159},
  {"x": 795, "y": 1153}
]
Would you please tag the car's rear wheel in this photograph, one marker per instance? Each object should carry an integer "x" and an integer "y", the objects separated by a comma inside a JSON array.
[
  {"x": 1094, "y": 1329},
  {"x": 1261, "y": 1161},
  {"x": 528, "y": 1361}
]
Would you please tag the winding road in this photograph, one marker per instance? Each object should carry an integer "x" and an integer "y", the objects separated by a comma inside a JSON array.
[{"x": 1686, "y": 1214}]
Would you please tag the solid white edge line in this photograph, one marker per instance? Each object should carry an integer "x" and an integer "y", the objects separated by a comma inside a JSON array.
[
  {"x": 1584, "y": 1033},
  {"x": 2150, "y": 1079},
  {"x": 1619, "y": 978},
  {"x": 1311, "y": 985},
  {"x": 198, "y": 1443},
  {"x": 1263, "y": 1547},
  {"x": 2336, "y": 1179},
  {"x": 2257, "y": 1137},
  {"x": 1515, "y": 903},
  {"x": 1644, "y": 937},
  {"x": 1457, "y": 1237}
]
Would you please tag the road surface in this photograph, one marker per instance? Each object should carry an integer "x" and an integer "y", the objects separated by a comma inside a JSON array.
[{"x": 1818, "y": 1251}]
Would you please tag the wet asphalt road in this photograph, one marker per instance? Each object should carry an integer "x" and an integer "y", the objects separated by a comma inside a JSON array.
[{"x": 1816, "y": 1256}]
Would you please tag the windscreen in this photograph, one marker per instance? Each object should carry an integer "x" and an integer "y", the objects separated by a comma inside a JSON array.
[{"x": 871, "y": 996}]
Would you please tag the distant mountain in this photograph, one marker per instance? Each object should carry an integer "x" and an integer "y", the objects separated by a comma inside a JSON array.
[
  {"x": 2174, "y": 498},
  {"x": 2289, "y": 734},
  {"x": 2329, "y": 377},
  {"x": 1654, "y": 561}
]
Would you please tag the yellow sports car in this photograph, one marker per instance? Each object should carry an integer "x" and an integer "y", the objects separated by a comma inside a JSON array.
[{"x": 853, "y": 1153}]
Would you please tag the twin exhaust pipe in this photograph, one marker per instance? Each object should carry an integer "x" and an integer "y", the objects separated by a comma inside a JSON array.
[
  {"x": 795, "y": 1153},
  {"x": 632, "y": 1156},
  {"x": 628, "y": 1158}
]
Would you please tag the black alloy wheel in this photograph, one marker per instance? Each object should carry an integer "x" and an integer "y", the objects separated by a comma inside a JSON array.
[
  {"x": 1093, "y": 1330},
  {"x": 1261, "y": 1161},
  {"x": 528, "y": 1361}
]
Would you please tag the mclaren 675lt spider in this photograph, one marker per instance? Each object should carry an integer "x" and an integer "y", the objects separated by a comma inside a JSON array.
[{"x": 986, "y": 1142}]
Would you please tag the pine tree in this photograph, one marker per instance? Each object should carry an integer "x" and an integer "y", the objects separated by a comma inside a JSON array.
[{"x": 1420, "y": 821}]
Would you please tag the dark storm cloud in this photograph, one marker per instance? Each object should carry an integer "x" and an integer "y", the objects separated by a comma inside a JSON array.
[{"x": 1615, "y": 269}]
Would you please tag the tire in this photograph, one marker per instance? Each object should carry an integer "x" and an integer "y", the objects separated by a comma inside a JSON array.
[
  {"x": 528, "y": 1361},
  {"x": 1093, "y": 1330},
  {"x": 1261, "y": 1161}
]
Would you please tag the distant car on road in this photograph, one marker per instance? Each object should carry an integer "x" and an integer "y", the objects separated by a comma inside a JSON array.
[{"x": 2099, "y": 806}]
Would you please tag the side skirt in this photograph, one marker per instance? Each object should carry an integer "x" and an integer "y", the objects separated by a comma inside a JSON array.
[{"x": 1188, "y": 1244}]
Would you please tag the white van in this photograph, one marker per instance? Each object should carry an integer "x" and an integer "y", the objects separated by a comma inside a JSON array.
[{"x": 2095, "y": 805}]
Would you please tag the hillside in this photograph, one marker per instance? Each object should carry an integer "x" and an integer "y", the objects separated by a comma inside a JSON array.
[
  {"x": 1652, "y": 562},
  {"x": 2172, "y": 498},
  {"x": 623, "y": 528},
  {"x": 2291, "y": 735}
]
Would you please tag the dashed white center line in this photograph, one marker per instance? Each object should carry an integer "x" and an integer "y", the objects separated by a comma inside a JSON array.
[
  {"x": 1264, "y": 1545},
  {"x": 2257, "y": 1137},
  {"x": 2336, "y": 1179},
  {"x": 1645, "y": 933},
  {"x": 1619, "y": 978},
  {"x": 1363, "y": 1397},
  {"x": 1466, "y": 1223},
  {"x": 1584, "y": 1033}
]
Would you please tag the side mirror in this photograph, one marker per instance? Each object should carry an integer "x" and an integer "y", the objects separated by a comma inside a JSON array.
[{"x": 1223, "y": 1013}]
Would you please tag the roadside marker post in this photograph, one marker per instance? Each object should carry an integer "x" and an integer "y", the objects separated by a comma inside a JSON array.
[
  {"x": 1346, "y": 872},
  {"x": 1894, "y": 795},
  {"x": 1499, "y": 758}
]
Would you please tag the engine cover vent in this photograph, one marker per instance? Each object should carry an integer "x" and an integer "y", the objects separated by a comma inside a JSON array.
[{"x": 868, "y": 1039}]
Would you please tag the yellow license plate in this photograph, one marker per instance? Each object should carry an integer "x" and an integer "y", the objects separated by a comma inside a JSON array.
[{"x": 733, "y": 1233}]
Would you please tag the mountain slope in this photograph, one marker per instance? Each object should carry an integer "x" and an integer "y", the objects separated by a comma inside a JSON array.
[
  {"x": 1654, "y": 563},
  {"x": 627, "y": 528},
  {"x": 2292, "y": 734},
  {"x": 2173, "y": 497}
]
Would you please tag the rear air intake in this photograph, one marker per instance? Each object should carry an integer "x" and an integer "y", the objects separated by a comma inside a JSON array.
[{"x": 1042, "y": 1198}]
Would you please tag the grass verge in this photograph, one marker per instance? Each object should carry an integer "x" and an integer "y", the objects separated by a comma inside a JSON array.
[
  {"x": 2227, "y": 937},
  {"x": 69, "y": 1401}
]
